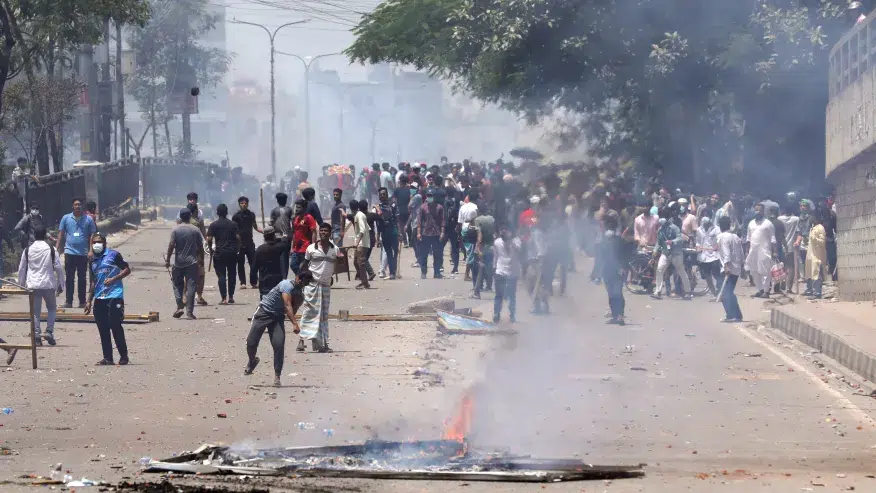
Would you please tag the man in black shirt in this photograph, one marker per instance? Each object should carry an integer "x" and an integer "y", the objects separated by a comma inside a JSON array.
[
  {"x": 338, "y": 217},
  {"x": 281, "y": 220},
  {"x": 227, "y": 238},
  {"x": 401, "y": 197},
  {"x": 246, "y": 223},
  {"x": 268, "y": 261},
  {"x": 312, "y": 208}
]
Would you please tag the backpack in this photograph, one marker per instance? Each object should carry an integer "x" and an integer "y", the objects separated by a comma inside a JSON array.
[{"x": 27, "y": 257}]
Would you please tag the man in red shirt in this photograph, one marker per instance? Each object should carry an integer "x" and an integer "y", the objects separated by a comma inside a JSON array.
[
  {"x": 304, "y": 232},
  {"x": 527, "y": 219}
]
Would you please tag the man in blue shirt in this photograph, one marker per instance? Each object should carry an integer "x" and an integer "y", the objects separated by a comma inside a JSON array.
[
  {"x": 73, "y": 236},
  {"x": 107, "y": 295},
  {"x": 281, "y": 302}
]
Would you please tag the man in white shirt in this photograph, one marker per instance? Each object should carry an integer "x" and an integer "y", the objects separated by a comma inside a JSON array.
[
  {"x": 792, "y": 227},
  {"x": 707, "y": 254},
  {"x": 468, "y": 211},
  {"x": 731, "y": 256},
  {"x": 319, "y": 260},
  {"x": 762, "y": 241},
  {"x": 387, "y": 181},
  {"x": 507, "y": 263},
  {"x": 40, "y": 270},
  {"x": 362, "y": 242}
]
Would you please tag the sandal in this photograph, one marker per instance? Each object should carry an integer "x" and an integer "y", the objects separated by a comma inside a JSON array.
[
  {"x": 250, "y": 367},
  {"x": 104, "y": 362}
]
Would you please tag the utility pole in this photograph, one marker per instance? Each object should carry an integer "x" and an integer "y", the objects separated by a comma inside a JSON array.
[
  {"x": 120, "y": 87},
  {"x": 272, "y": 36},
  {"x": 307, "y": 61},
  {"x": 186, "y": 108}
]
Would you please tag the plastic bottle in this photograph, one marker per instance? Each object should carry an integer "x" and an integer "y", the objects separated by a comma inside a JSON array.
[
  {"x": 7, "y": 410},
  {"x": 329, "y": 432}
]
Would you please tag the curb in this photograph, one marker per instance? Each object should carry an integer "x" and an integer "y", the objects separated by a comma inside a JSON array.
[{"x": 829, "y": 344}]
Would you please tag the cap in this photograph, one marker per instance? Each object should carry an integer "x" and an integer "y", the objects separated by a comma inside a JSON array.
[
  {"x": 268, "y": 230},
  {"x": 534, "y": 199},
  {"x": 185, "y": 212}
]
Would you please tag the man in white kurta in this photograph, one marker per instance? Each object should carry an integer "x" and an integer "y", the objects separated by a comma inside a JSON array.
[{"x": 762, "y": 238}]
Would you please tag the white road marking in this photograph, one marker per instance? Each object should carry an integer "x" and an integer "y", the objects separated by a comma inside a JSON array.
[{"x": 842, "y": 401}]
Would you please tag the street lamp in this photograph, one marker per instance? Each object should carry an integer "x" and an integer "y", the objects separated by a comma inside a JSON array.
[
  {"x": 307, "y": 60},
  {"x": 272, "y": 35}
]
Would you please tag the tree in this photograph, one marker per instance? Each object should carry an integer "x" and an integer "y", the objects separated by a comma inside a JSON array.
[
  {"x": 164, "y": 47},
  {"x": 28, "y": 122},
  {"x": 39, "y": 36},
  {"x": 688, "y": 86}
]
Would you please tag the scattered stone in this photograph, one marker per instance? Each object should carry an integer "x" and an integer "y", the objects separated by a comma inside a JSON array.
[{"x": 444, "y": 303}]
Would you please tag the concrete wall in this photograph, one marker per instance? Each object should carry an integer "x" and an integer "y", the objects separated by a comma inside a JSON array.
[
  {"x": 856, "y": 230},
  {"x": 851, "y": 121}
]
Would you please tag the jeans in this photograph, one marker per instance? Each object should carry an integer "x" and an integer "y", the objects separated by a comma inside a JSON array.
[
  {"x": 453, "y": 239},
  {"x": 51, "y": 307},
  {"x": 614, "y": 286},
  {"x": 360, "y": 261},
  {"x": 295, "y": 262},
  {"x": 482, "y": 270},
  {"x": 224, "y": 264},
  {"x": 390, "y": 249},
  {"x": 184, "y": 279},
  {"x": 430, "y": 244},
  {"x": 75, "y": 265},
  {"x": 247, "y": 254},
  {"x": 284, "y": 264},
  {"x": 506, "y": 289},
  {"x": 261, "y": 321},
  {"x": 728, "y": 298},
  {"x": 368, "y": 269},
  {"x": 109, "y": 314}
]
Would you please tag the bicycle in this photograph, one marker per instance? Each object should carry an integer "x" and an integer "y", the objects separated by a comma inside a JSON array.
[{"x": 642, "y": 272}]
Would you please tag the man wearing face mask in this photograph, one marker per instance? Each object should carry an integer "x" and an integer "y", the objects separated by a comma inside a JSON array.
[
  {"x": 30, "y": 223},
  {"x": 107, "y": 298},
  {"x": 762, "y": 240}
]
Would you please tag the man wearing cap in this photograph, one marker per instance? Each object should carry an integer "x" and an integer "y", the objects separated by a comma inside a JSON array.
[{"x": 187, "y": 242}]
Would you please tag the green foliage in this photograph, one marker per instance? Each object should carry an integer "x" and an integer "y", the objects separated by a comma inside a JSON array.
[
  {"x": 672, "y": 82},
  {"x": 162, "y": 48}
]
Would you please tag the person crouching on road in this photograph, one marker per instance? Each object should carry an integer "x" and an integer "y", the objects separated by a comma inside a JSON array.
[
  {"x": 107, "y": 298},
  {"x": 40, "y": 270},
  {"x": 282, "y": 301},
  {"x": 319, "y": 261}
]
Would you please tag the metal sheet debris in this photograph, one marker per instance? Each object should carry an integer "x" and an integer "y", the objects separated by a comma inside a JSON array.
[
  {"x": 451, "y": 323},
  {"x": 426, "y": 460}
]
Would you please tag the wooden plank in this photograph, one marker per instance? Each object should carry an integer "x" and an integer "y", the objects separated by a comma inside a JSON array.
[
  {"x": 529, "y": 476},
  {"x": 15, "y": 346},
  {"x": 76, "y": 317}
]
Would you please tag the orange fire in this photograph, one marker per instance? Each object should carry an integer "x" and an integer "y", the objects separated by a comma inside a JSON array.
[{"x": 458, "y": 428}]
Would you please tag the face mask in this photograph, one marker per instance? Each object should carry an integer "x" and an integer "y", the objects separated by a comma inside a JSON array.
[
  {"x": 35, "y": 212},
  {"x": 609, "y": 233},
  {"x": 706, "y": 222},
  {"x": 758, "y": 215},
  {"x": 430, "y": 199},
  {"x": 98, "y": 248},
  {"x": 653, "y": 211}
]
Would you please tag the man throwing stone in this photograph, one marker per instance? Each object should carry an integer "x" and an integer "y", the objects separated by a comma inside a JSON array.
[{"x": 281, "y": 302}]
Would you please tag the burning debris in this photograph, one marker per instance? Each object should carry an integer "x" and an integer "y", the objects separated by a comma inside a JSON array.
[{"x": 433, "y": 460}]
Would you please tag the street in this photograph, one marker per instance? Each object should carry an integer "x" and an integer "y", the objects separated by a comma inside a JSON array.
[{"x": 706, "y": 405}]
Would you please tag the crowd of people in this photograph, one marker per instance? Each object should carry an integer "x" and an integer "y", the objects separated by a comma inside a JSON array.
[{"x": 500, "y": 224}]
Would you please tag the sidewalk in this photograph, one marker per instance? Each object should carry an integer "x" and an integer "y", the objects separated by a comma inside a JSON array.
[{"x": 843, "y": 331}]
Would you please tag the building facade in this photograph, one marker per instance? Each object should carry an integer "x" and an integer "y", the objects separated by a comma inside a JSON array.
[{"x": 851, "y": 158}]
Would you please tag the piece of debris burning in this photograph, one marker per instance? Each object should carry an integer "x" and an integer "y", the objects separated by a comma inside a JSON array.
[
  {"x": 425, "y": 460},
  {"x": 451, "y": 323}
]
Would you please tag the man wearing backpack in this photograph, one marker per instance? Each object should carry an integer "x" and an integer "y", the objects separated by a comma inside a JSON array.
[{"x": 40, "y": 270}]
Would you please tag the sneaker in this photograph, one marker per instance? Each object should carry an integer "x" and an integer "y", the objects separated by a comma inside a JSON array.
[
  {"x": 277, "y": 381},
  {"x": 105, "y": 362},
  {"x": 251, "y": 366},
  {"x": 242, "y": 285},
  {"x": 454, "y": 271},
  {"x": 123, "y": 361},
  {"x": 372, "y": 276},
  {"x": 223, "y": 302},
  {"x": 656, "y": 297},
  {"x": 381, "y": 275},
  {"x": 230, "y": 301},
  {"x": 325, "y": 349},
  {"x": 50, "y": 339},
  {"x": 39, "y": 341},
  {"x": 301, "y": 347},
  {"x": 253, "y": 286},
  {"x": 439, "y": 276},
  {"x": 178, "y": 313},
  {"x": 191, "y": 316},
  {"x": 391, "y": 278},
  {"x": 11, "y": 357},
  {"x": 423, "y": 276},
  {"x": 687, "y": 297},
  {"x": 727, "y": 320}
]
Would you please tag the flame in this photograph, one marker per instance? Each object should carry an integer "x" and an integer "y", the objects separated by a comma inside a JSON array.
[{"x": 458, "y": 428}]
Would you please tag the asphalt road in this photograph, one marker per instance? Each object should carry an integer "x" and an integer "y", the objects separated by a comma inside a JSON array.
[{"x": 708, "y": 406}]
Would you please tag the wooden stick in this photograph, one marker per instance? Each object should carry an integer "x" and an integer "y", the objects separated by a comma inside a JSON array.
[
  {"x": 262, "y": 201},
  {"x": 30, "y": 316},
  {"x": 76, "y": 317}
]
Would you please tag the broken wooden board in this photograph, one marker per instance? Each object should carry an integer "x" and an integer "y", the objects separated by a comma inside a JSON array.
[
  {"x": 345, "y": 316},
  {"x": 77, "y": 317},
  {"x": 5, "y": 346},
  {"x": 452, "y": 323}
]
